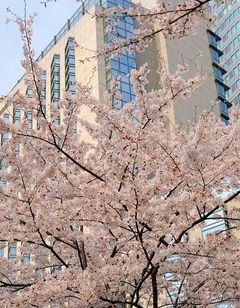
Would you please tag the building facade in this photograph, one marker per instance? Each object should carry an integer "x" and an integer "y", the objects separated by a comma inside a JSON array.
[
  {"x": 227, "y": 26},
  {"x": 63, "y": 64}
]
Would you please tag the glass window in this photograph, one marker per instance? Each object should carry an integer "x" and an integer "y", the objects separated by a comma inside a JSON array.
[
  {"x": 29, "y": 119},
  {"x": 3, "y": 164},
  {"x": 17, "y": 149},
  {"x": 57, "y": 121},
  {"x": 213, "y": 229},
  {"x": 5, "y": 137},
  {"x": 55, "y": 77},
  {"x": 132, "y": 62},
  {"x": 17, "y": 115},
  {"x": 56, "y": 269},
  {"x": 56, "y": 69},
  {"x": 115, "y": 64},
  {"x": 125, "y": 87},
  {"x": 29, "y": 92},
  {"x": 124, "y": 68},
  {"x": 56, "y": 86},
  {"x": 221, "y": 90},
  {"x": 6, "y": 117},
  {"x": 215, "y": 55},
  {"x": 213, "y": 224},
  {"x": 218, "y": 73},
  {"x": 3, "y": 184},
  {"x": 70, "y": 66},
  {"x": 26, "y": 258},
  {"x": 71, "y": 61},
  {"x": 223, "y": 107},
  {"x": 56, "y": 59},
  {"x": 126, "y": 97},
  {"x": 12, "y": 252},
  {"x": 124, "y": 59},
  {"x": 75, "y": 128}
]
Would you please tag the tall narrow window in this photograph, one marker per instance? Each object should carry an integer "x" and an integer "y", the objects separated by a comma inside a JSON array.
[
  {"x": 26, "y": 258},
  {"x": 5, "y": 135},
  {"x": 43, "y": 93},
  {"x": 17, "y": 149},
  {"x": 3, "y": 164},
  {"x": 43, "y": 88},
  {"x": 4, "y": 138},
  {"x": 2, "y": 246},
  {"x": 123, "y": 64},
  {"x": 29, "y": 119},
  {"x": 29, "y": 113},
  {"x": 12, "y": 251},
  {"x": 3, "y": 184},
  {"x": 55, "y": 80},
  {"x": 17, "y": 115},
  {"x": 6, "y": 117},
  {"x": 29, "y": 92},
  {"x": 57, "y": 121},
  {"x": 70, "y": 66}
]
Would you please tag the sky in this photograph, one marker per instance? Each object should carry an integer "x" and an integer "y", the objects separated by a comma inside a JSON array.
[{"x": 47, "y": 23}]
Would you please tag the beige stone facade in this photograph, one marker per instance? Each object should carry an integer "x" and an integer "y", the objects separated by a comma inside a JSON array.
[
  {"x": 89, "y": 34},
  {"x": 193, "y": 50}
]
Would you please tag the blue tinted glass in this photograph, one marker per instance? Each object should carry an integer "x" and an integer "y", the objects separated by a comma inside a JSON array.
[
  {"x": 12, "y": 252},
  {"x": 26, "y": 258},
  {"x": 223, "y": 107},
  {"x": 115, "y": 73},
  {"x": 213, "y": 39},
  {"x": 132, "y": 62},
  {"x": 221, "y": 90},
  {"x": 218, "y": 72},
  {"x": 126, "y": 97},
  {"x": 124, "y": 59},
  {"x": 115, "y": 64},
  {"x": 124, "y": 68},
  {"x": 125, "y": 87}
]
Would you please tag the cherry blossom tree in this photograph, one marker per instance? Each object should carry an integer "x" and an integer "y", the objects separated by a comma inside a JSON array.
[{"x": 112, "y": 219}]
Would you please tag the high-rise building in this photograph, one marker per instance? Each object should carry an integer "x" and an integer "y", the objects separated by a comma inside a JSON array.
[
  {"x": 63, "y": 64},
  {"x": 227, "y": 26}
]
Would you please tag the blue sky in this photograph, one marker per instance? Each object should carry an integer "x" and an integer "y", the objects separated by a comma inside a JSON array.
[{"x": 48, "y": 22}]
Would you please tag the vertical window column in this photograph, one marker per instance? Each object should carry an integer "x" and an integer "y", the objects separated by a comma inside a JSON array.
[
  {"x": 55, "y": 80},
  {"x": 55, "y": 84},
  {"x": 123, "y": 64},
  {"x": 70, "y": 77},
  {"x": 28, "y": 114},
  {"x": 17, "y": 115},
  {"x": 5, "y": 135},
  {"x": 3, "y": 161},
  {"x": 43, "y": 91}
]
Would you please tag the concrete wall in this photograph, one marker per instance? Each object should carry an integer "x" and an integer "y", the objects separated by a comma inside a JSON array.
[
  {"x": 88, "y": 33},
  {"x": 171, "y": 53}
]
